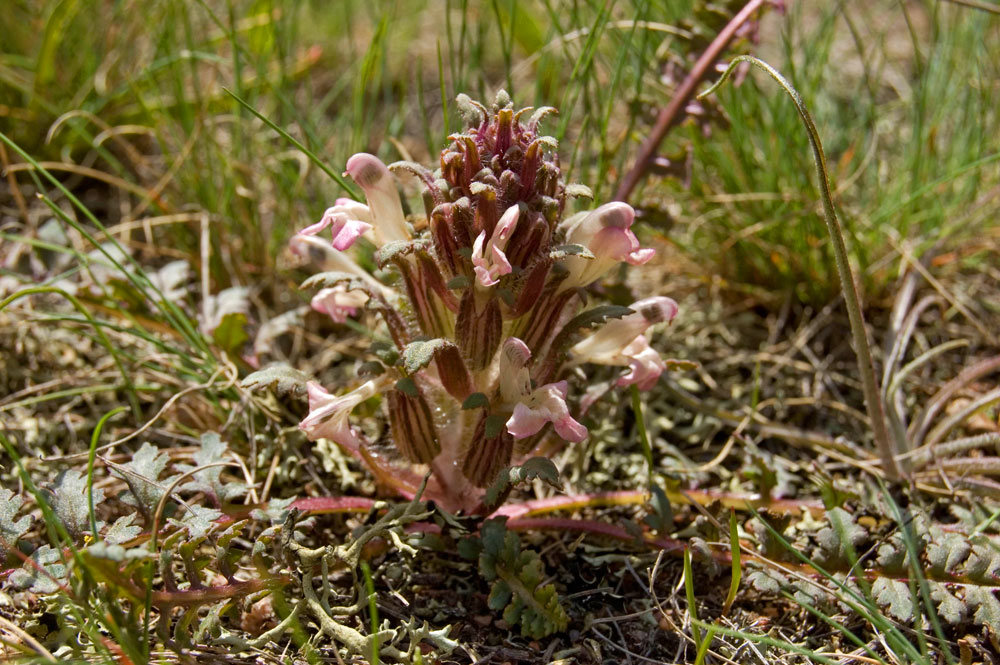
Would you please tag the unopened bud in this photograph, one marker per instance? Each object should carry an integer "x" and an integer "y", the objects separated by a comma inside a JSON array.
[
  {"x": 444, "y": 240},
  {"x": 489, "y": 452},
  {"x": 478, "y": 329},
  {"x": 412, "y": 424}
]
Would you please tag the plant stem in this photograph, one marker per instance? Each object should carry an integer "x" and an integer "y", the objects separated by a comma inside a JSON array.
[
  {"x": 671, "y": 115},
  {"x": 869, "y": 384}
]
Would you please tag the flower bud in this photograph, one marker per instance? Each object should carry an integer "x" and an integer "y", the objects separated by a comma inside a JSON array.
[
  {"x": 383, "y": 200},
  {"x": 489, "y": 452},
  {"x": 445, "y": 244},
  {"x": 478, "y": 329},
  {"x": 426, "y": 291},
  {"x": 412, "y": 423}
]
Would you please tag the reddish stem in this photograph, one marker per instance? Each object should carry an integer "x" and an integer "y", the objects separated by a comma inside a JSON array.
[
  {"x": 671, "y": 115},
  {"x": 632, "y": 497},
  {"x": 668, "y": 545}
]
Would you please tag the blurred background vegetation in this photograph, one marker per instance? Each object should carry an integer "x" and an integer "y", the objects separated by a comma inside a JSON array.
[{"x": 127, "y": 100}]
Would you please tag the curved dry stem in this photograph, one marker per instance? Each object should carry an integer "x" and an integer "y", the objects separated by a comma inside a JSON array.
[
  {"x": 866, "y": 367},
  {"x": 952, "y": 421},
  {"x": 918, "y": 430},
  {"x": 921, "y": 457}
]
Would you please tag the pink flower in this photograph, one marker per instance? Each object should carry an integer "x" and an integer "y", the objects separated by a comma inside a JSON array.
[
  {"x": 346, "y": 222},
  {"x": 607, "y": 233},
  {"x": 533, "y": 408},
  {"x": 384, "y": 207},
  {"x": 490, "y": 262},
  {"x": 338, "y": 303},
  {"x": 622, "y": 342},
  {"x": 645, "y": 364},
  {"x": 328, "y": 414},
  {"x": 333, "y": 260}
]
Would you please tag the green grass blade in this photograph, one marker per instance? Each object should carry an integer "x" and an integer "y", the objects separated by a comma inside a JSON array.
[{"x": 339, "y": 179}]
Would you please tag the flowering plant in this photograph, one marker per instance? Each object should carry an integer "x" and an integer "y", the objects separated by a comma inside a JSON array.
[{"x": 482, "y": 299}]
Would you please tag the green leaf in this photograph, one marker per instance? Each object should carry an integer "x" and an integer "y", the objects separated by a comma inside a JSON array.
[
  {"x": 47, "y": 60},
  {"x": 470, "y": 548},
  {"x": 142, "y": 474},
  {"x": 275, "y": 512},
  {"x": 947, "y": 553},
  {"x": 517, "y": 588},
  {"x": 500, "y": 595},
  {"x": 10, "y": 529},
  {"x": 282, "y": 379},
  {"x": 839, "y": 542},
  {"x": 397, "y": 249},
  {"x": 896, "y": 596},
  {"x": 122, "y": 530},
  {"x": 385, "y": 352},
  {"x": 458, "y": 282},
  {"x": 983, "y": 565},
  {"x": 407, "y": 386},
  {"x": 662, "y": 517},
  {"x": 209, "y": 480},
  {"x": 563, "y": 251},
  {"x": 70, "y": 501},
  {"x": 42, "y": 573},
  {"x": 332, "y": 278},
  {"x": 198, "y": 522},
  {"x": 231, "y": 334},
  {"x": 737, "y": 566},
  {"x": 494, "y": 425},
  {"x": 765, "y": 581},
  {"x": 949, "y": 608},
  {"x": 536, "y": 467},
  {"x": 987, "y": 606},
  {"x": 588, "y": 320},
  {"x": 418, "y": 355},
  {"x": 476, "y": 401},
  {"x": 231, "y": 532}
]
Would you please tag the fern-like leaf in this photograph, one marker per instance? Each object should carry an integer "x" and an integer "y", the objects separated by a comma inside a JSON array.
[
  {"x": 122, "y": 530},
  {"x": 43, "y": 573},
  {"x": 11, "y": 529},
  {"x": 949, "y": 608},
  {"x": 142, "y": 474},
  {"x": 517, "y": 583},
  {"x": 209, "y": 480},
  {"x": 282, "y": 379},
  {"x": 896, "y": 596},
  {"x": 70, "y": 501},
  {"x": 986, "y": 605}
]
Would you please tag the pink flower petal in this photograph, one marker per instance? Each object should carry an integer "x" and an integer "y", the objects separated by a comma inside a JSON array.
[
  {"x": 570, "y": 430},
  {"x": 545, "y": 404},
  {"x": 488, "y": 258},
  {"x": 525, "y": 422},
  {"x": 606, "y": 232},
  {"x": 641, "y": 256},
  {"x": 480, "y": 264},
  {"x": 383, "y": 200},
  {"x": 349, "y": 231},
  {"x": 561, "y": 388},
  {"x": 612, "y": 244},
  {"x": 338, "y": 303},
  {"x": 645, "y": 365},
  {"x": 327, "y": 417},
  {"x": 501, "y": 266},
  {"x": 314, "y": 229}
]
